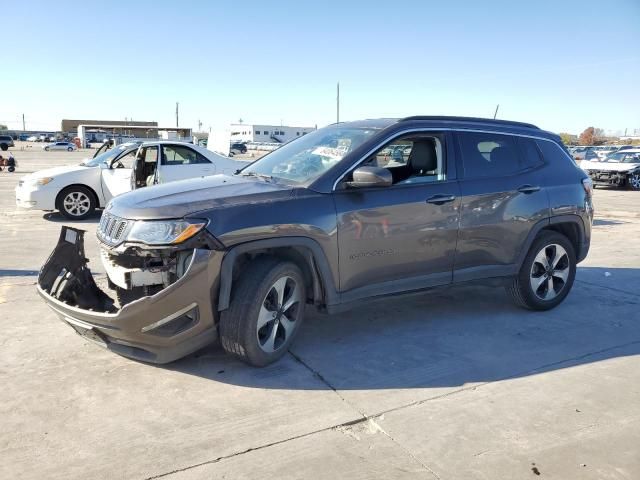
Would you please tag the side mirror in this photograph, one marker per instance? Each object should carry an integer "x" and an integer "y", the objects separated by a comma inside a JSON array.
[{"x": 367, "y": 177}]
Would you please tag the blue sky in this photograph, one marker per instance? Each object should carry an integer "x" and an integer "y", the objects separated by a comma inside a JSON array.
[{"x": 563, "y": 65}]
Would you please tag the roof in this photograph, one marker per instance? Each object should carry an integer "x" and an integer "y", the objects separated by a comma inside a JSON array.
[{"x": 453, "y": 122}]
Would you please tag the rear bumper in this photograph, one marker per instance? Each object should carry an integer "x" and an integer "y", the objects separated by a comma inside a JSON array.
[{"x": 134, "y": 330}]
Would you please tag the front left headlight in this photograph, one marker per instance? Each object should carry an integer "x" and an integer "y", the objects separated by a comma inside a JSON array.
[
  {"x": 40, "y": 181},
  {"x": 164, "y": 232}
]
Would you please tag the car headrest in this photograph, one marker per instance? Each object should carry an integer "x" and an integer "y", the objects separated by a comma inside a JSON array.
[{"x": 423, "y": 156}]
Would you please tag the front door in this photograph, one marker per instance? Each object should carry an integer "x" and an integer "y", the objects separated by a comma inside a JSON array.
[
  {"x": 403, "y": 236},
  {"x": 179, "y": 162},
  {"x": 116, "y": 179}
]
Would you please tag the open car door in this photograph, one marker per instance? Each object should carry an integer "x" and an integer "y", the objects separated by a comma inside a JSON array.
[
  {"x": 145, "y": 168},
  {"x": 116, "y": 178},
  {"x": 179, "y": 162}
]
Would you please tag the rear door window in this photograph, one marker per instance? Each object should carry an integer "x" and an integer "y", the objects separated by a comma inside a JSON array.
[
  {"x": 488, "y": 154},
  {"x": 179, "y": 155}
]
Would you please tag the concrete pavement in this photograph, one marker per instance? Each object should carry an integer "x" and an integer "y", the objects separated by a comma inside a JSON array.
[{"x": 455, "y": 383}]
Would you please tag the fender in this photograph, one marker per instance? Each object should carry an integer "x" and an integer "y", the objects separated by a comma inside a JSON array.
[
  {"x": 317, "y": 261},
  {"x": 533, "y": 233}
]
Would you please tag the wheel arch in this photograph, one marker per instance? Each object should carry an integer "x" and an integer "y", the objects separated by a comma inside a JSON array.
[
  {"x": 93, "y": 192},
  {"x": 571, "y": 226},
  {"x": 304, "y": 252}
]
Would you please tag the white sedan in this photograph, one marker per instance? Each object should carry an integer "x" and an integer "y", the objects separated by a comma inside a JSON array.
[
  {"x": 68, "y": 146},
  {"x": 77, "y": 190}
]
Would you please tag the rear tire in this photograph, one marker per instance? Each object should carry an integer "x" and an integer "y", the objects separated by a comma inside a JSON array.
[
  {"x": 69, "y": 149},
  {"x": 547, "y": 273},
  {"x": 265, "y": 313},
  {"x": 4, "y": 147}
]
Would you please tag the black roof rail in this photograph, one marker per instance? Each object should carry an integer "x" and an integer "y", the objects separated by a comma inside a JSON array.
[{"x": 470, "y": 120}]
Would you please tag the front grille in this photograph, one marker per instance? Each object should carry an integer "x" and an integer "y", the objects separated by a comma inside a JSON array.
[{"x": 112, "y": 230}]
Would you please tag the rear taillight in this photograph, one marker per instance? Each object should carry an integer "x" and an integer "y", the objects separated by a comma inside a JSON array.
[{"x": 587, "y": 184}]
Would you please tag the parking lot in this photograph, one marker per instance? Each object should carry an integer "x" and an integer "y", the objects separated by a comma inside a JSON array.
[{"x": 454, "y": 383}]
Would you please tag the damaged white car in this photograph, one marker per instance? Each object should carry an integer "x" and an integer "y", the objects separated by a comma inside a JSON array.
[
  {"x": 621, "y": 169},
  {"x": 77, "y": 190}
]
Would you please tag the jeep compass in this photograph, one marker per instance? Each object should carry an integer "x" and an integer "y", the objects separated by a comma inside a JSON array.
[{"x": 347, "y": 213}]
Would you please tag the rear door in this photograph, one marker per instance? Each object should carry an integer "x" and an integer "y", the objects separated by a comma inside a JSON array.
[
  {"x": 503, "y": 197},
  {"x": 178, "y": 162}
]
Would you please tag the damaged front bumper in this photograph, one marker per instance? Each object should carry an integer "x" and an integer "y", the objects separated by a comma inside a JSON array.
[{"x": 158, "y": 328}]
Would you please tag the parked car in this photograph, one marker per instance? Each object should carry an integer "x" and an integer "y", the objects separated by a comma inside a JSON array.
[
  {"x": 585, "y": 154},
  {"x": 33, "y": 138},
  {"x": 326, "y": 222},
  {"x": 77, "y": 190},
  {"x": 5, "y": 142},
  {"x": 237, "y": 148},
  {"x": 620, "y": 169},
  {"x": 68, "y": 146}
]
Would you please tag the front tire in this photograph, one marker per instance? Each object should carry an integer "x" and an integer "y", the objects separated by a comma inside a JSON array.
[
  {"x": 634, "y": 181},
  {"x": 46, "y": 149},
  {"x": 547, "y": 273},
  {"x": 76, "y": 203},
  {"x": 265, "y": 313},
  {"x": 69, "y": 149}
]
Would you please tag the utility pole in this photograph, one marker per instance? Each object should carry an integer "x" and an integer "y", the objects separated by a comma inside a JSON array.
[
  {"x": 23, "y": 129},
  {"x": 199, "y": 125},
  {"x": 338, "y": 104},
  {"x": 496, "y": 112},
  {"x": 177, "y": 114}
]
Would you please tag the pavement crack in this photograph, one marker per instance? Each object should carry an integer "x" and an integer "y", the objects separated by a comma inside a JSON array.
[
  {"x": 372, "y": 420},
  {"x": 320, "y": 377},
  {"x": 613, "y": 289}
]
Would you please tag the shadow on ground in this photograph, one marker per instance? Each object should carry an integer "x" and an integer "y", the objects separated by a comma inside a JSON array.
[
  {"x": 602, "y": 222},
  {"x": 18, "y": 273},
  {"x": 57, "y": 217},
  {"x": 446, "y": 337}
]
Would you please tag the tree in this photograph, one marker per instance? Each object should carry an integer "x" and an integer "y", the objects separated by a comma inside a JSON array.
[
  {"x": 567, "y": 138},
  {"x": 587, "y": 137},
  {"x": 3, "y": 127}
]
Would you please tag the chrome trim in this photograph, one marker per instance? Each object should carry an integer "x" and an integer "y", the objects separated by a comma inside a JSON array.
[
  {"x": 432, "y": 129},
  {"x": 164, "y": 320}
]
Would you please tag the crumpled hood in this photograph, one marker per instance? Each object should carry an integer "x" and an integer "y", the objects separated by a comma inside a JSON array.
[
  {"x": 55, "y": 171},
  {"x": 185, "y": 197},
  {"x": 609, "y": 166}
]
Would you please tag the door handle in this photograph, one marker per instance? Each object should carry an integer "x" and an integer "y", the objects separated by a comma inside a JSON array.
[
  {"x": 441, "y": 199},
  {"x": 529, "y": 189}
]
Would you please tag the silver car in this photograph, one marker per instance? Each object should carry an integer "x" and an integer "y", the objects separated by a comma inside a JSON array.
[{"x": 68, "y": 146}]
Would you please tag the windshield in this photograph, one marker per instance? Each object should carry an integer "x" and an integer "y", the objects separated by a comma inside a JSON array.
[
  {"x": 106, "y": 156},
  {"x": 306, "y": 158}
]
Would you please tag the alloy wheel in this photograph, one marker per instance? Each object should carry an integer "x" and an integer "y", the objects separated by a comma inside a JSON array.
[
  {"x": 76, "y": 203},
  {"x": 278, "y": 314},
  {"x": 549, "y": 272},
  {"x": 634, "y": 181}
]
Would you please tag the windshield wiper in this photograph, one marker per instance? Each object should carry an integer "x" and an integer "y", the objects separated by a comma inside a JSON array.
[{"x": 263, "y": 176}]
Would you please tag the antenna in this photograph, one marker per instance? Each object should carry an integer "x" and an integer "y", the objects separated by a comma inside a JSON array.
[
  {"x": 496, "y": 112},
  {"x": 338, "y": 103}
]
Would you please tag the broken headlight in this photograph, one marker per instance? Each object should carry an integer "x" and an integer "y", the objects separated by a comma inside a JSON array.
[{"x": 164, "y": 232}]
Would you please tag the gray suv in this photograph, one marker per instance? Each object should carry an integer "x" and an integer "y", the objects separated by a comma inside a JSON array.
[
  {"x": 347, "y": 213},
  {"x": 6, "y": 141}
]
